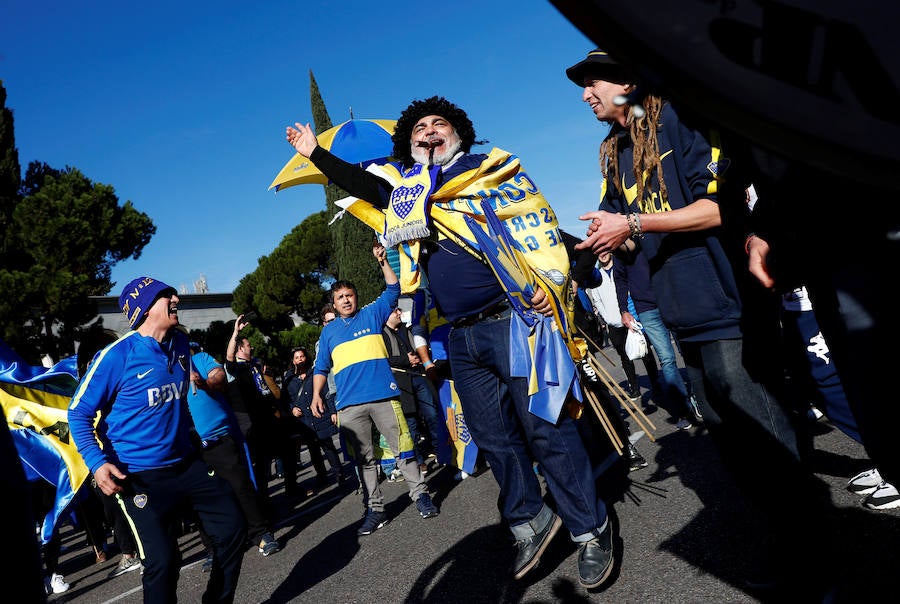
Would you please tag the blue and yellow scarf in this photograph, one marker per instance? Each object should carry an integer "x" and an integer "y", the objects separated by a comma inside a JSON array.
[{"x": 455, "y": 208}]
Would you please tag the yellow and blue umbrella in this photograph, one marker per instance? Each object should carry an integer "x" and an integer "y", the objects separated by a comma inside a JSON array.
[{"x": 354, "y": 141}]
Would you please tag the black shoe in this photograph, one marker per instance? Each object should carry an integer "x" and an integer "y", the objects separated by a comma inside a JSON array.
[
  {"x": 426, "y": 507},
  {"x": 694, "y": 408},
  {"x": 634, "y": 460},
  {"x": 372, "y": 522},
  {"x": 595, "y": 559},
  {"x": 530, "y": 550}
]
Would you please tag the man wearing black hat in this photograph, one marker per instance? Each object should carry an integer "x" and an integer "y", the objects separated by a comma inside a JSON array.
[
  {"x": 425, "y": 204},
  {"x": 669, "y": 192},
  {"x": 139, "y": 386}
]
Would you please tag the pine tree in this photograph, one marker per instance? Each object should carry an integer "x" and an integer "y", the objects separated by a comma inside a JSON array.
[{"x": 60, "y": 236}]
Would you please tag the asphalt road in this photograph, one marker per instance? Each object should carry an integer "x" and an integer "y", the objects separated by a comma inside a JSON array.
[{"x": 682, "y": 535}]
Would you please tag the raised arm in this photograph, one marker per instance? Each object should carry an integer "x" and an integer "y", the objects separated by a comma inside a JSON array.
[
  {"x": 390, "y": 277},
  {"x": 350, "y": 177}
]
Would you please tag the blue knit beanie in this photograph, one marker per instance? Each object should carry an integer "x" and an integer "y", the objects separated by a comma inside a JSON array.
[{"x": 138, "y": 296}]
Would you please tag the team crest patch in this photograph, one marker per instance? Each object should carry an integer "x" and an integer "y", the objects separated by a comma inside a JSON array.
[
  {"x": 462, "y": 430},
  {"x": 140, "y": 501},
  {"x": 718, "y": 168},
  {"x": 403, "y": 199}
]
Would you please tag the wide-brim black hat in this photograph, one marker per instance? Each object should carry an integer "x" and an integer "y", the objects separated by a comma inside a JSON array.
[{"x": 596, "y": 63}]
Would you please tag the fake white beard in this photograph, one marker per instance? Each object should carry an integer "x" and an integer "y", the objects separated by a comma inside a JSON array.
[{"x": 420, "y": 154}]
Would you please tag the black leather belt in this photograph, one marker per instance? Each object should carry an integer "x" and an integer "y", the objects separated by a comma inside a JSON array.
[{"x": 491, "y": 311}]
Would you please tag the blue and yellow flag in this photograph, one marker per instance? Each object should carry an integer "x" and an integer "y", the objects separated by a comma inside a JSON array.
[
  {"x": 37, "y": 417},
  {"x": 538, "y": 350},
  {"x": 463, "y": 452}
]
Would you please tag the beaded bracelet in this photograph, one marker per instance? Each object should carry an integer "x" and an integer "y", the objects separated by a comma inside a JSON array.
[{"x": 634, "y": 225}]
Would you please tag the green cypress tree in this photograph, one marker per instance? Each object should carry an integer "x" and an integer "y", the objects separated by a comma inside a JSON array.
[
  {"x": 352, "y": 239},
  {"x": 10, "y": 175}
]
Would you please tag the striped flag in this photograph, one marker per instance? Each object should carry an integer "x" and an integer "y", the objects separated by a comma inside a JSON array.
[
  {"x": 463, "y": 452},
  {"x": 36, "y": 413}
]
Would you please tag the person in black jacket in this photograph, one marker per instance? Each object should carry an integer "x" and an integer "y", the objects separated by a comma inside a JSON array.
[
  {"x": 417, "y": 395},
  {"x": 316, "y": 432}
]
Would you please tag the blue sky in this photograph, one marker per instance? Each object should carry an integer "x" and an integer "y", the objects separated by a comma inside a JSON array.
[{"x": 181, "y": 106}]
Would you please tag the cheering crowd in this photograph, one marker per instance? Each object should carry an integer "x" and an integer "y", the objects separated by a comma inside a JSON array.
[{"x": 685, "y": 238}]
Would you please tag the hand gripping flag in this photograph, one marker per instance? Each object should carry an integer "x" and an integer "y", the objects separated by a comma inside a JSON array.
[{"x": 537, "y": 349}]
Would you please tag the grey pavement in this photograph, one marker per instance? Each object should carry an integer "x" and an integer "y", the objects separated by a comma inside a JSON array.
[{"x": 682, "y": 535}]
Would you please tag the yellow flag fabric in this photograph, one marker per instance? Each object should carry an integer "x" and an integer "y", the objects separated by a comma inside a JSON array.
[
  {"x": 38, "y": 422},
  {"x": 382, "y": 448}
]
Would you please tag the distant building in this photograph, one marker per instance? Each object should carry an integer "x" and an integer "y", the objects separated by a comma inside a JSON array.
[{"x": 195, "y": 311}]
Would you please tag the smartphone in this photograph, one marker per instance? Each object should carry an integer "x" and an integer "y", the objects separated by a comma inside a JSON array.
[{"x": 250, "y": 316}]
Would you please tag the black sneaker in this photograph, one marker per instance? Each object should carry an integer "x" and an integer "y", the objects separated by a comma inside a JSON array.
[
  {"x": 530, "y": 549},
  {"x": 634, "y": 459},
  {"x": 694, "y": 408},
  {"x": 595, "y": 559},
  {"x": 372, "y": 522},
  {"x": 426, "y": 506}
]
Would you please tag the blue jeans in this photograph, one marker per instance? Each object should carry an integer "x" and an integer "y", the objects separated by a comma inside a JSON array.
[
  {"x": 751, "y": 429},
  {"x": 675, "y": 395},
  {"x": 739, "y": 392},
  {"x": 496, "y": 412}
]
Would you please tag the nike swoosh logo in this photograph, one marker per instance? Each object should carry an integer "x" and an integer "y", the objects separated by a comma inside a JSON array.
[{"x": 141, "y": 375}]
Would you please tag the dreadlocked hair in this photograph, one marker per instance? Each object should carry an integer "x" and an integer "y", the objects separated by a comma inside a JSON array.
[
  {"x": 436, "y": 105},
  {"x": 645, "y": 145}
]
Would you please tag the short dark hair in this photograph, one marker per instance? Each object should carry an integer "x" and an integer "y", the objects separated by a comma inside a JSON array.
[{"x": 342, "y": 284}]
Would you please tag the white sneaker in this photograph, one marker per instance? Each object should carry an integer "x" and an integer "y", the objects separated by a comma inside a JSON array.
[
  {"x": 885, "y": 497},
  {"x": 396, "y": 475},
  {"x": 865, "y": 483},
  {"x": 57, "y": 584}
]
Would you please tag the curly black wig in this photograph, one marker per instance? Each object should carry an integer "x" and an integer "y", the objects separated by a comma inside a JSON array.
[{"x": 436, "y": 105}]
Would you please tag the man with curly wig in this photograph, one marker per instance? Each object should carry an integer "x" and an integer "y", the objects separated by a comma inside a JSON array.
[
  {"x": 671, "y": 192},
  {"x": 426, "y": 204}
]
